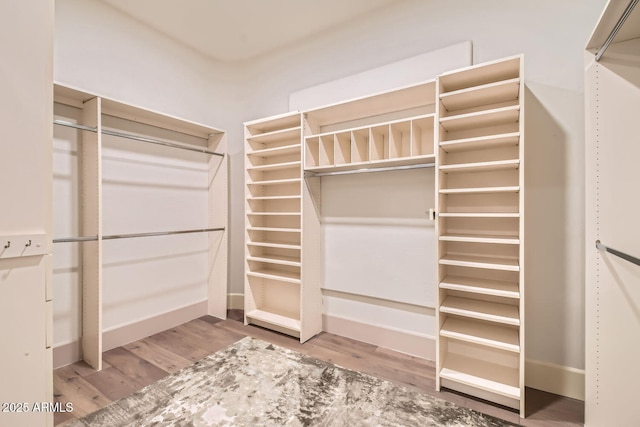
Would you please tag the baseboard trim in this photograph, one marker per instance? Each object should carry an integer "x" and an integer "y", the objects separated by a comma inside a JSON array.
[
  {"x": 556, "y": 379},
  {"x": 235, "y": 301},
  {"x": 120, "y": 335},
  {"x": 411, "y": 343}
]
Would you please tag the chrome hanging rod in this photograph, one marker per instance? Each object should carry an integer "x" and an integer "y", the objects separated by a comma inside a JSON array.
[
  {"x": 367, "y": 170},
  {"x": 128, "y": 236},
  {"x": 616, "y": 28},
  {"x": 619, "y": 254},
  {"x": 136, "y": 138}
]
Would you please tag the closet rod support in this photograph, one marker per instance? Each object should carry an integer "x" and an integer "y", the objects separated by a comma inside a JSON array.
[
  {"x": 619, "y": 254},
  {"x": 368, "y": 170},
  {"x": 158, "y": 142},
  {"x": 616, "y": 28}
]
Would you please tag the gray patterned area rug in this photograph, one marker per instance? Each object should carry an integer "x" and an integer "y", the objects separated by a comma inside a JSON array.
[{"x": 255, "y": 383}]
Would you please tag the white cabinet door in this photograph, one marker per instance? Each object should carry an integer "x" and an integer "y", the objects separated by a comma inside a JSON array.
[{"x": 613, "y": 217}]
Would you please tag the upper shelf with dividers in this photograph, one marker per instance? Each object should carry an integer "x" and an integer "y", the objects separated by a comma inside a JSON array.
[{"x": 388, "y": 129}]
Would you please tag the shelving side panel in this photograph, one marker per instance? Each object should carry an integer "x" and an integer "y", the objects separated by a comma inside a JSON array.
[
  {"x": 218, "y": 217},
  {"x": 91, "y": 199}
]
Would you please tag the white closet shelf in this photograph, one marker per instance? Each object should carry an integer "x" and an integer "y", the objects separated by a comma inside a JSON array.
[
  {"x": 497, "y": 288},
  {"x": 481, "y": 166},
  {"x": 276, "y": 135},
  {"x": 481, "y": 261},
  {"x": 282, "y": 121},
  {"x": 260, "y": 198},
  {"x": 475, "y": 75},
  {"x": 364, "y": 129},
  {"x": 490, "y": 93},
  {"x": 276, "y": 151},
  {"x": 497, "y": 239},
  {"x": 270, "y": 316},
  {"x": 274, "y": 214},
  {"x": 276, "y": 259},
  {"x": 481, "y": 190},
  {"x": 374, "y": 164},
  {"x": 276, "y": 245},
  {"x": 482, "y": 310},
  {"x": 275, "y": 181},
  {"x": 274, "y": 274},
  {"x": 495, "y": 336},
  {"x": 479, "y": 215},
  {"x": 281, "y": 230},
  {"x": 481, "y": 374},
  {"x": 275, "y": 167},
  {"x": 481, "y": 142},
  {"x": 479, "y": 119}
]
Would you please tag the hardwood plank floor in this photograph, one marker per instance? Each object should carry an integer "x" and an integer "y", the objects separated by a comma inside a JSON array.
[{"x": 131, "y": 367}]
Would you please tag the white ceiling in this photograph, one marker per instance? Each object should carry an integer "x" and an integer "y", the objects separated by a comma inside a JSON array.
[{"x": 233, "y": 30}]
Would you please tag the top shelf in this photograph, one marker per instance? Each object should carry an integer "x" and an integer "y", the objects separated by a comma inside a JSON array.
[
  {"x": 491, "y": 93},
  {"x": 473, "y": 76},
  {"x": 274, "y": 123},
  {"x": 407, "y": 98}
]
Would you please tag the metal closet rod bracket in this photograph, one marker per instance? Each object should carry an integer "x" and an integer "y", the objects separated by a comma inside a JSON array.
[{"x": 617, "y": 253}]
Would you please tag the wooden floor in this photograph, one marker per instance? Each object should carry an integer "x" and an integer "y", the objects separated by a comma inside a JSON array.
[{"x": 133, "y": 366}]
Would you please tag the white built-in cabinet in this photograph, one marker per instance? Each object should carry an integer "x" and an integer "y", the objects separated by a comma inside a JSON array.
[
  {"x": 94, "y": 117},
  {"x": 480, "y": 205},
  {"x": 468, "y": 126}
]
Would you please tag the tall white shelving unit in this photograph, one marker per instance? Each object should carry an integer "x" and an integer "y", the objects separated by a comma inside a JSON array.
[
  {"x": 95, "y": 113},
  {"x": 480, "y": 192},
  {"x": 279, "y": 293}
]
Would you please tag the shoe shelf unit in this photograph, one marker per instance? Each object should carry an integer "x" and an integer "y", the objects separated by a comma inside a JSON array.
[
  {"x": 389, "y": 129},
  {"x": 479, "y": 187},
  {"x": 276, "y": 297}
]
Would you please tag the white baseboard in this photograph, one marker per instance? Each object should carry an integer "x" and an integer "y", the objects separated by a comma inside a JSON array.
[
  {"x": 406, "y": 342},
  {"x": 235, "y": 301},
  {"x": 557, "y": 379},
  {"x": 124, "y": 334}
]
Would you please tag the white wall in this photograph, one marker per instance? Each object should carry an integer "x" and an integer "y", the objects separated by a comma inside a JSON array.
[{"x": 552, "y": 35}]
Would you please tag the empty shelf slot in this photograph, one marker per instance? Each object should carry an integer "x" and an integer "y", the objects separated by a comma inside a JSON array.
[
  {"x": 277, "y": 245},
  {"x": 496, "y": 336},
  {"x": 283, "y": 276},
  {"x": 275, "y": 181},
  {"x": 276, "y": 135},
  {"x": 503, "y": 240},
  {"x": 285, "y": 320},
  {"x": 481, "y": 190},
  {"x": 282, "y": 230},
  {"x": 479, "y": 215},
  {"x": 493, "y": 117},
  {"x": 482, "y": 166},
  {"x": 276, "y": 151},
  {"x": 274, "y": 213},
  {"x": 481, "y": 142},
  {"x": 491, "y": 93},
  {"x": 481, "y": 374},
  {"x": 273, "y": 198},
  {"x": 479, "y": 261},
  {"x": 274, "y": 124},
  {"x": 482, "y": 310},
  {"x": 498, "y": 288},
  {"x": 275, "y": 166},
  {"x": 276, "y": 259}
]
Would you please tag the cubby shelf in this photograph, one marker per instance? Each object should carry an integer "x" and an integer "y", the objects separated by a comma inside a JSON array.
[
  {"x": 265, "y": 198},
  {"x": 501, "y": 240},
  {"x": 484, "y": 375},
  {"x": 276, "y": 245},
  {"x": 275, "y": 181},
  {"x": 275, "y": 167},
  {"x": 481, "y": 166},
  {"x": 479, "y": 215},
  {"x": 496, "y": 336},
  {"x": 490, "y": 93},
  {"x": 283, "y": 276},
  {"x": 481, "y": 142},
  {"x": 480, "y": 119},
  {"x": 403, "y": 161},
  {"x": 274, "y": 317},
  {"x": 276, "y": 135},
  {"x": 276, "y": 259},
  {"x": 498, "y": 288},
  {"x": 278, "y": 229},
  {"x": 481, "y": 190},
  {"x": 276, "y": 151},
  {"x": 482, "y": 310},
  {"x": 481, "y": 261}
]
